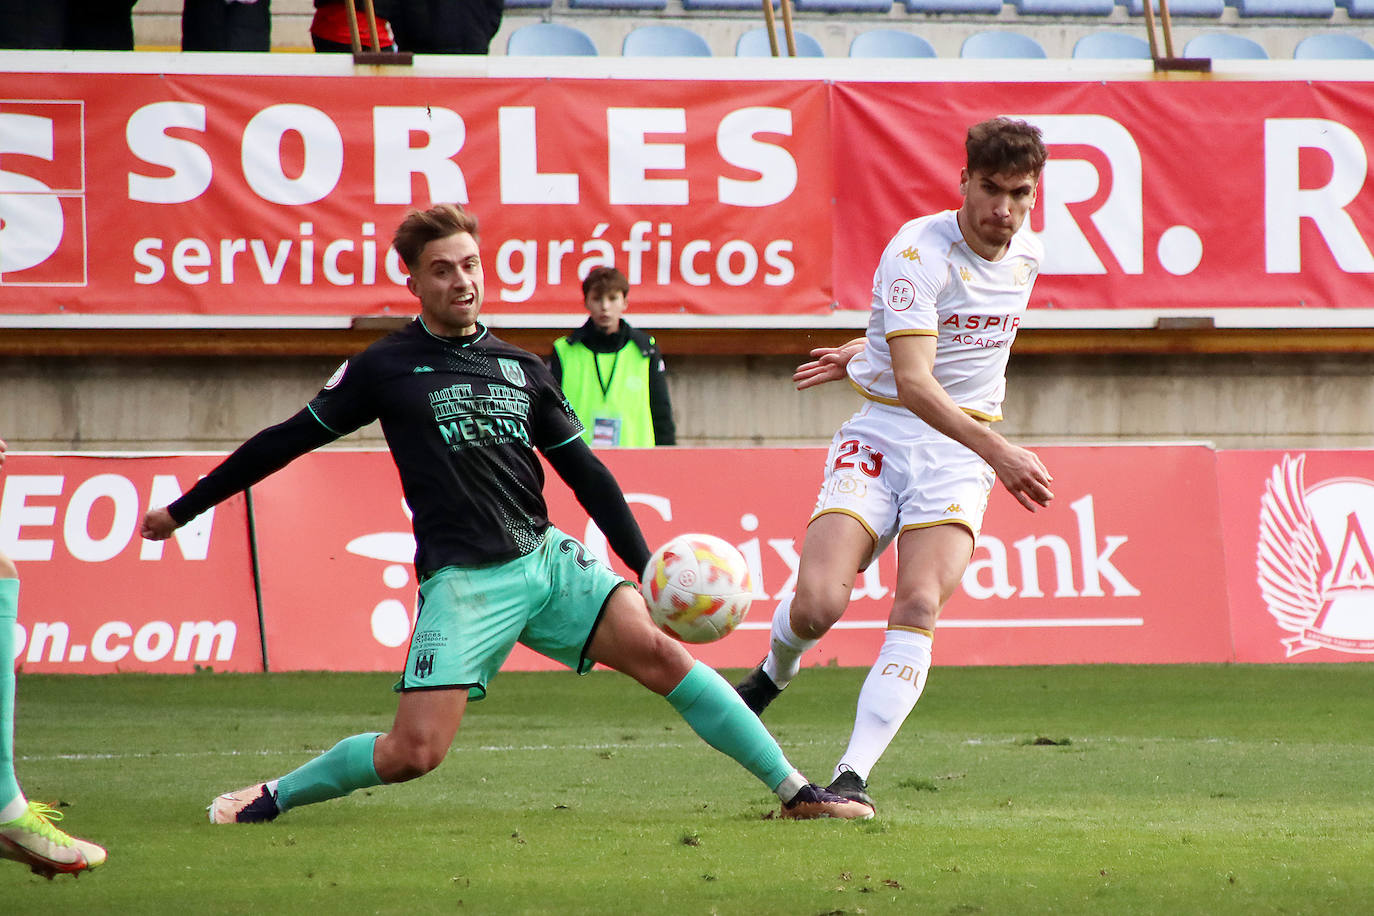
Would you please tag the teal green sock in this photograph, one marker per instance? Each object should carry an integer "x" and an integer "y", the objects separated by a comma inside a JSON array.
[
  {"x": 716, "y": 713},
  {"x": 9, "y": 616},
  {"x": 343, "y": 768}
]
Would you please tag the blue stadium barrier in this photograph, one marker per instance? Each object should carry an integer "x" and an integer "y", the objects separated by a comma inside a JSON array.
[
  {"x": 1209, "y": 9},
  {"x": 550, "y": 39},
  {"x": 1225, "y": 46},
  {"x": 1001, "y": 44},
  {"x": 1358, "y": 9},
  {"x": 955, "y": 6},
  {"x": 1287, "y": 9},
  {"x": 664, "y": 41},
  {"x": 1112, "y": 46},
  {"x": 840, "y": 6},
  {"x": 529, "y": 4},
  {"x": 754, "y": 43},
  {"x": 1065, "y": 7},
  {"x": 1333, "y": 46},
  {"x": 890, "y": 43},
  {"x": 619, "y": 4}
]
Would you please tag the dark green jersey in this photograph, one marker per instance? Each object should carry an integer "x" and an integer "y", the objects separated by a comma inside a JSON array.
[{"x": 463, "y": 418}]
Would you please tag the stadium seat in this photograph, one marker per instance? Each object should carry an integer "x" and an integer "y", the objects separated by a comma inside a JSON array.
[
  {"x": 1065, "y": 7},
  {"x": 550, "y": 39},
  {"x": 841, "y": 6},
  {"x": 1287, "y": 9},
  {"x": 1112, "y": 46},
  {"x": 1209, "y": 9},
  {"x": 1225, "y": 46},
  {"x": 1358, "y": 9},
  {"x": 992, "y": 7},
  {"x": 754, "y": 43},
  {"x": 1001, "y": 44},
  {"x": 617, "y": 4},
  {"x": 1333, "y": 46},
  {"x": 664, "y": 41},
  {"x": 890, "y": 43},
  {"x": 751, "y": 5}
]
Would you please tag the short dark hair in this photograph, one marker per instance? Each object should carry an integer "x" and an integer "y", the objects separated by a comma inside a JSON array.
[
  {"x": 1004, "y": 146},
  {"x": 604, "y": 280},
  {"x": 420, "y": 227}
]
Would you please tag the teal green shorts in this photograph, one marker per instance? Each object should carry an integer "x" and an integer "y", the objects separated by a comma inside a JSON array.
[{"x": 469, "y": 618}]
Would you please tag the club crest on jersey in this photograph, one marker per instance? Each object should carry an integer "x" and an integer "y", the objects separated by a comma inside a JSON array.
[
  {"x": 900, "y": 295},
  {"x": 1316, "y": 569},
  {"x": 512, "y": 370}
]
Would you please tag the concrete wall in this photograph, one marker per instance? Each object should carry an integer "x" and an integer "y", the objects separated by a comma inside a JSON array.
[{"x": 213, "y": 403}]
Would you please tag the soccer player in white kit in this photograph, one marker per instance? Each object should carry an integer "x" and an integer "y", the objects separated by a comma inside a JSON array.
[{"x": 916, "y": 462}]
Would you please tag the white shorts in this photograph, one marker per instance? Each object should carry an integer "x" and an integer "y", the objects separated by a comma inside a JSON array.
[{"x": 890, "y": 471}]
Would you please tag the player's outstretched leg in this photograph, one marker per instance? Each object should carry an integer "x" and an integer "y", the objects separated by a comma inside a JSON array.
[
  {"x": 715, "y": 712},
  {"x": 345, "y": 767},
  {"x": 33, "y": 839}
]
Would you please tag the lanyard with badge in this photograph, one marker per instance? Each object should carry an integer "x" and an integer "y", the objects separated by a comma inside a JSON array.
[{"x": 605, "y": 430}]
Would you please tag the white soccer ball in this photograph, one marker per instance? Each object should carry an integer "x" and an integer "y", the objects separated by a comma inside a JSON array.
[{"x": 697, "y": 587}]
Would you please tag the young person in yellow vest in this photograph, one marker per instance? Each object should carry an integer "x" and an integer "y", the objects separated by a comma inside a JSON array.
[{"x": 612, "y": 373}]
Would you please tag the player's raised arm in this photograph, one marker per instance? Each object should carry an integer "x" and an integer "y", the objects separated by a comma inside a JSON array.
[
  {"x": 1020, "y": 470},
  {"x": 265, "y": 453},
  {"x": 599, "y": 493}
]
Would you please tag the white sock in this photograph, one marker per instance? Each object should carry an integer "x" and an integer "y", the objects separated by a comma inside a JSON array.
[
  {"x": 14, "y": 809},
  {"x": 892, "y": 687},
  {"x": 786, "y": 648}
]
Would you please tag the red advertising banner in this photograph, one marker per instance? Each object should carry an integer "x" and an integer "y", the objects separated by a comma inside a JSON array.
[
  {"x": 1100, "y": 577},
  {"x": 130, "y": 194},
  {"x": 1299, "y": 526},
  {"x": 95, "y": 598},
  {"x": 140, "y": 194},
  {"x": 1094, "y": 578},
  {"x": 1126, "y": 566},
  {"x": 1131, "y": 206}
]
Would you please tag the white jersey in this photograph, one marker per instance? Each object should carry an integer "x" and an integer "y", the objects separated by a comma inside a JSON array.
[{"x": 929, "y": 282}]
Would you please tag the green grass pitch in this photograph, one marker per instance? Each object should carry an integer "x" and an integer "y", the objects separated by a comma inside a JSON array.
[{"x": 1190, "y": 789}]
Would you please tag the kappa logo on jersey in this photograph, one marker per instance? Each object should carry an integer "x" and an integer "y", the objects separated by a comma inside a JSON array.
[
  {"x": 512, "y": 370},
  {"x": 1316, "y": 569},
  {"x": 901, "y": 295},
  {"x": 1021, "y": 274},
  {"x": 911, "y": 253},
  {"x": 965, "y": 274},
  {"x": 953, "y": 508},
  {"x": 42, "y": 194},
  {"x": 424, "y": 369}
]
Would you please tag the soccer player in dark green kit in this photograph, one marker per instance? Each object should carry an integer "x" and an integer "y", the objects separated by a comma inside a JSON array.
[{"x": 463, "y": 414}]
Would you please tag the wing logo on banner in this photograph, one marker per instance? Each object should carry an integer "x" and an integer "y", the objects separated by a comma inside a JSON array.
[{"x": 1316, "y": 570}]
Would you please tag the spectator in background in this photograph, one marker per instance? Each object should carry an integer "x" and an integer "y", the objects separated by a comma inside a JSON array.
[
  {"x": 446, "y": 26},
  {"x": 613, "y": 374},
  {"x": 329, "y": 29},
  {"x": 67, "y": 25},
  {"x": 226, "y": 25}
]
